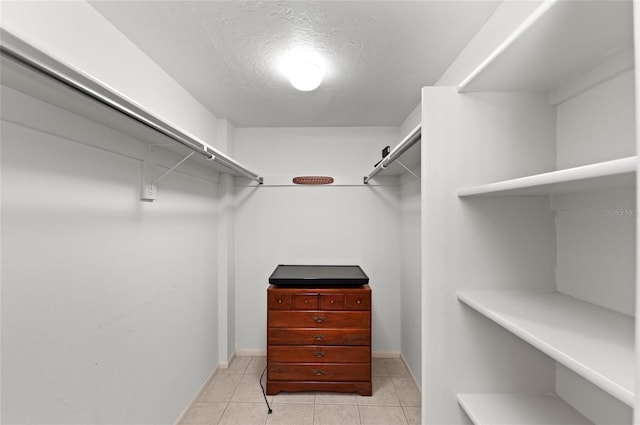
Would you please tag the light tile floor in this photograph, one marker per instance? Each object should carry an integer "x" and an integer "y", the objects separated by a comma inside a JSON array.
[{"x": 234, "y": 397}]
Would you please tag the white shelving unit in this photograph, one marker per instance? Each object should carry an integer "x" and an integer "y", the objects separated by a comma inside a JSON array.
[
  {"x": 524, "y": 251},
  {"x": 594, "y": 342},
  {"x": 604, "y": 175},
  {"x": 508, "y": 409},
  {"x": 560, "y": 41}
]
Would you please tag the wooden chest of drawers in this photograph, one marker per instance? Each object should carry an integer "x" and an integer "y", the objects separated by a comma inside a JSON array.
[{"x": 319, "y": 339}]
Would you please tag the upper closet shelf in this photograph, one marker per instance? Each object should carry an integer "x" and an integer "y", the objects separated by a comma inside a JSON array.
[
  {"x": 594, "y": 342},
  {"x": 560, "y": 41},
  {"x": 37, "y": 73},
  {"x": 540, "y": 409},
  {"x": 409, "y": 146},
  {"x": 603, "y": 175}
]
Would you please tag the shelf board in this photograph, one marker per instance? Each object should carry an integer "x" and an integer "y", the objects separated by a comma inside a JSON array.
[
  {"x": 594, "y": 342},
  {"x": 560, "y": 41},
  {"x": 23, "y": 79},
  {"x": 603, "y": 175},
  {"x": 510, "y": 409}
]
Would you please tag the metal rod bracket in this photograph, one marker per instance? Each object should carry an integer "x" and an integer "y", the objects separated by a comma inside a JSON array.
[
  {"x": 147, "y": 188},
  {"x": 172, "y": 168},
  {"x": 408, "y": 169},
  {"x": 148, "y": 192}
]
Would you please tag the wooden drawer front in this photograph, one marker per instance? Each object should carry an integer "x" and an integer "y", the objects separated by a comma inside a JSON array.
[
  {"x": 319, "y": 319},
  {"x": 287, "y": 336},
  {"x": 305, "y": 301},
  {"x": 331, "y": 301},
  {"x": 319, "y": 354},
  {"x": 358, "y": 301},
  {"x": 280, "y": 301},
  {"x": 318, "y": 372}
]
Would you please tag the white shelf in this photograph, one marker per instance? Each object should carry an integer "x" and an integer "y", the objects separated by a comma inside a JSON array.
[
  {"x": 603, "y": 175},
  {"x": 513, "y": 409},
  {"x": 594, "y": 342},
  {"x": 73, "y": 97},
  {"x": 561, "y": 40}
]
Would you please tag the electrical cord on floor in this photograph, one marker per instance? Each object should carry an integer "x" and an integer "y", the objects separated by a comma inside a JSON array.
[{"x": 264, "y": 394}]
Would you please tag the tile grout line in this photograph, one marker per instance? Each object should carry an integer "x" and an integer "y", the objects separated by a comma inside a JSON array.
[
  {"x": 244, "y": 371},
  {"x": 223, "y": 412}
]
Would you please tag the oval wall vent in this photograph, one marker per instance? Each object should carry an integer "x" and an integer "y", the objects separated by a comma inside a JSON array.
[{"x": 312, "y": 180}]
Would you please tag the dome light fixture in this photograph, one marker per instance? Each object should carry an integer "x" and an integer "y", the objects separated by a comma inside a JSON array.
[
  {"x": 304, "y": 69},
  {"x": 305, "y": 76}
]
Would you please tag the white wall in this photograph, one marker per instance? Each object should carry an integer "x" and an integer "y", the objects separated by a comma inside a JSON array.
[
  {"x": 316, "y": 225},
  {"x": 596, "y": 247},
  {"x": 411, "y": 258},
  {"x": 105, "y": 54},
  {"x": 636, "y": 51},
  {"x": 143, "y": 277},
  {"x": 226, "y": 245},
  {"x": 598, "y": 124},
  {"x": 410, "y": 303},
  {"x": 108, "y": 303}
]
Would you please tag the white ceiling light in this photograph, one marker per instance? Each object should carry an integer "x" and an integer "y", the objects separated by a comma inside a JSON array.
[
  {"x": 305, "y": 76},
  {"x": 304, "y": 69}
]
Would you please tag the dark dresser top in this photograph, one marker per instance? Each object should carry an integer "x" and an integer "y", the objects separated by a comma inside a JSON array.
[{"x": 320, "y": 275}]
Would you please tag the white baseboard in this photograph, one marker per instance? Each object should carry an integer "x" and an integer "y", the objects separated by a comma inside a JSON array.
[
  {"x": 225, "y": 365},
  {"x": 415, "y": 381},
  {"x": 385, "y": 354},
  {"x": 251, "y": 352},
  {"x": 198, "y": 393}
]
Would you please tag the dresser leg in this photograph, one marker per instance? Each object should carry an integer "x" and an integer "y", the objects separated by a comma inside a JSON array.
[
  {"x": 366, "y": 391},
  {"x": 270, "y": 390}
]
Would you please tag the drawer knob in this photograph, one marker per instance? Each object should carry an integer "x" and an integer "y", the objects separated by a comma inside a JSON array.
[
  {"x": 318, "y": 372},
  {"x": 358, "y": 302},
  {"x": 306, "y": 301},
  {"x": 331, "y": 301},
  {"x": 318, "y": 354},
  {"x": 319, "y": 319},
  {"x": 318, "y": 337},
  {"x": 280, "y": 301}
]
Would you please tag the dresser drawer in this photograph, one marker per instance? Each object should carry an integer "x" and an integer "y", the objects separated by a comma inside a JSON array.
[
  {"x": 297, "y": 336},
  {"x": 279, "y": 301},
  {"x": 331, "y": 301},
  {"x": 358, "y": 301},
  {"x": 319, "y": 319},
  {"x": 305, "y": 301},
  {"x": 318, "y": 372},
  {"x": 319, "y": 354}
]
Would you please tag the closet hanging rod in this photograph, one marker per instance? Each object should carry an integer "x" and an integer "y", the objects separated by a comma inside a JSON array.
[
  {"x": 16, "y": 49},
  {"x": 402, "y": 147}
]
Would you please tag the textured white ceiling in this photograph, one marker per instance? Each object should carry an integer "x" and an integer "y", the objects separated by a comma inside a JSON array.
[{"x": 378, "y": 54}]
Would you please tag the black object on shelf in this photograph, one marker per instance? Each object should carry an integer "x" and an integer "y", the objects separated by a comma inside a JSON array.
[{"x": 325, "y": 276}]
